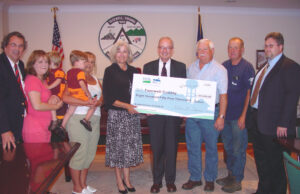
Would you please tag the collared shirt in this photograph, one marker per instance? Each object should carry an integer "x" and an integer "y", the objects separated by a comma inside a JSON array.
[
  {"x": 12, "y": 64},
  {"x": 271, "y": 65},
  {"x": 168, "y": 67},
  {"x": 212, "y": 71},
  {"x": 240, "y": 79}
]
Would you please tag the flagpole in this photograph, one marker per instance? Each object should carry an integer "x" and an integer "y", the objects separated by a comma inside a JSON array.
[
  {"x": 200, "y": 32},
  {"x": 54, "y": 10},
  {"x": 56, "y": 40}
]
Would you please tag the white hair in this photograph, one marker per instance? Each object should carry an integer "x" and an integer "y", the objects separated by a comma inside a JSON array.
[{"x": 204, "y": 40}]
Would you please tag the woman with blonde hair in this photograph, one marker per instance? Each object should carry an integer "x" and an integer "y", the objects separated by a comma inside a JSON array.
[
  {"x": 123, "y": 139},
  {"x": 82, "y": 159}
]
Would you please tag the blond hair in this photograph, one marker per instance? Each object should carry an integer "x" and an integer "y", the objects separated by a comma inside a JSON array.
[
  {"x": 92, "y": 55},
  {"x": 54, "y": 58},
  {"x": 77, "y": 55},
  {"x": 116, "y": 47}
]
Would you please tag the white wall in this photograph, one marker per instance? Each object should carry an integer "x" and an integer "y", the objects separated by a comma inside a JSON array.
[
  {"x": 80, "y": 26},
  {"x": 1, "y": 21}
]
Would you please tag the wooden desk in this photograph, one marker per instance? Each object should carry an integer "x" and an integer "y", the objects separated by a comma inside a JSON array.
[
  {"x": 32, "y": 167},
  {"x": 292, "y": 144}
]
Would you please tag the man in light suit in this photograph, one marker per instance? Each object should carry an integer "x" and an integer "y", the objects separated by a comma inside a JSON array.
[
  {"x": 273, "y": 113},
  {"x": 12, "y": 99},
  {"x": 164, "y": 130}
]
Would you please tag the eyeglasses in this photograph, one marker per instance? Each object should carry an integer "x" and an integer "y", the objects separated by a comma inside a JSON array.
[
  {"x": 167, "y": 48},
  {"x": 14, "y": 45},
  {"x": 270, "y": 46}
]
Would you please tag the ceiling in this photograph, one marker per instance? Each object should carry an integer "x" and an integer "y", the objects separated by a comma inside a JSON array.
[{"x": 284, "y": 4}]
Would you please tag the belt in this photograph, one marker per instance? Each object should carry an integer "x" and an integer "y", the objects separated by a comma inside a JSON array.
[
  {"x": 217, "y": 105},
  {"x": 253, "y": 109}
]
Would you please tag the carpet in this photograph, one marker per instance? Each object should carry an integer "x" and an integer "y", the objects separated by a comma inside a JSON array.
[{"x": 103, "y": 178}]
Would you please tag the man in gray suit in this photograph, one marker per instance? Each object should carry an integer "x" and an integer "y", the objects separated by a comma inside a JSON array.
[
  {"x": 164, "y": 130},
  {"x": 273, "y": 104}
]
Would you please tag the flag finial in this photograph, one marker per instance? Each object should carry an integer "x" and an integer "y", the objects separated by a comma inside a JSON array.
[{"x": 54, "y": 10}]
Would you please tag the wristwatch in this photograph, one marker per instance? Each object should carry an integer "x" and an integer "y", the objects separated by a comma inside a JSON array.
[{"x": 221, "y": 116}]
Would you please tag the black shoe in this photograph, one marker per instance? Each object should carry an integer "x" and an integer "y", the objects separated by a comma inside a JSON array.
[
  {"x": 209, "y": 186},
  {"x": 68, "y": 178},
  {"x": 191, "y": 184},
  {"x": 226, "y": 180},
  {"x": 171, "y": 187},
  {"x": 61, "y": 133},
  {"x": 53, "y": 125},
  {"x": 86, "y": 124},
  {"x": 123, "y": 192},
  {"x": 156, "y": 188},
  {"x": 129, "y": 189}
]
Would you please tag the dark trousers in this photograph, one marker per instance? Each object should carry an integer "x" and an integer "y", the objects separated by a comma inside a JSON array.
[
  {"x": 164, "y": 131},
  {"x": 269, "y": 161}
]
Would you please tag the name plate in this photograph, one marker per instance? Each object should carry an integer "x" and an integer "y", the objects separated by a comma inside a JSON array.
[{"x": 174, "y": 96}]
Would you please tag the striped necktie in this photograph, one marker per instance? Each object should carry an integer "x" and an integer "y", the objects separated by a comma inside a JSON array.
[
  {"x": 164, "y": 70},
  {"x": 20, "y": 84},
  {"x": 257, "y": 85}
]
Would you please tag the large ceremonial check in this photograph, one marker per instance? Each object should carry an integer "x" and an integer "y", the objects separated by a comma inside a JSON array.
[{"x": 173, "y": 96}]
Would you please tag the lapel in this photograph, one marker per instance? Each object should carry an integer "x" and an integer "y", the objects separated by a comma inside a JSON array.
[
  {"x": 7, "y": 66},
  {"x": 252, "y": 87},
  {"x": 22, "y": 69},
  {"x": 172, "y": 70},
  {"x": 156, "y": 67},
  {"x": 273, "y": 72}
]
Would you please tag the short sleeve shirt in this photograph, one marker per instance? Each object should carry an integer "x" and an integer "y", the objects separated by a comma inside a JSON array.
[
  {"x": 212, "y": 71},
  {"x": 53, "y": 76},
  {"x": 240, "y": 79},
  {"x": 75, "y": 75}
]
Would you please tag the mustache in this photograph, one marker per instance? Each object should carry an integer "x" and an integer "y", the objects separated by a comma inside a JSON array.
[{"x": 16, "y": 52}]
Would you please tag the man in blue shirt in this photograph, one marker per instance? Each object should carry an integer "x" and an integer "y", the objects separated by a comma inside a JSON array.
[
  {"x": 234, "y": 135},
  {"x": 272, "y": 114},
  {"x": 203, "y": 130}
]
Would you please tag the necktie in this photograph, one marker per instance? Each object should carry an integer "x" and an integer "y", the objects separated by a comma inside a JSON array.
[
  {"x": 257, "y": 86},
  {"x": 20, "y": 84},
  {"x": 164, "y": 70}
]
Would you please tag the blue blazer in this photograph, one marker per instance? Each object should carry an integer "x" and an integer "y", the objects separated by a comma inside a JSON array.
[
  {"x": 278, "y": 98},
  {"x": 11, "y": 99}
]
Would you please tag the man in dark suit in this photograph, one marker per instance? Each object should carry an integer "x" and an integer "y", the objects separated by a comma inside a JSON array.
[
  {"x": 12, "y": 98},
  {"x": 164, "y": 130},
  {"x": 272, "y": 114}
]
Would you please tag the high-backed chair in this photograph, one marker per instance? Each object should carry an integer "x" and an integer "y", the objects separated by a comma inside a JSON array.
[
  {"x": 292, "y": 169},
  {"x": 298, "y": 136}
]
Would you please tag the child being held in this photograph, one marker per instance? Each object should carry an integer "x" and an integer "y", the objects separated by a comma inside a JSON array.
[
  {"x": 77, "y": 87},
  {"x": 56, "y": 83}
]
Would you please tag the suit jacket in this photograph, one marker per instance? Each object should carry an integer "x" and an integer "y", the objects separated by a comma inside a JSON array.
[
  {"x": 278, "y": 98},
  {"x": 177, "y": 69},
  {"x": 11, "y": 99}
]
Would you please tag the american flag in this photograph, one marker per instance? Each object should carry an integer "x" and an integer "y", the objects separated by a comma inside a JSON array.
[
  {"x": 200, "y": 32},
  {"x": 56, "y": 42}
]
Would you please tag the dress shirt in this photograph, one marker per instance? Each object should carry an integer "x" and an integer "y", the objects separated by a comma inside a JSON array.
[
  {"x": 271, "y": 65},
  {"x": 12, "y": 64},
  {"x": 168, "y": 67},
  {"x": 212, "y": 71}
]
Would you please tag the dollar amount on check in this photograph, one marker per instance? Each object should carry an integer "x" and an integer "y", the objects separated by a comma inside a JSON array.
[{"x": 173, "y": 96}]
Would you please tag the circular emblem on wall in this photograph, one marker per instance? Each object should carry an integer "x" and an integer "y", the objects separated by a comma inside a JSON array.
[{"x": 126, "y": 28}]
